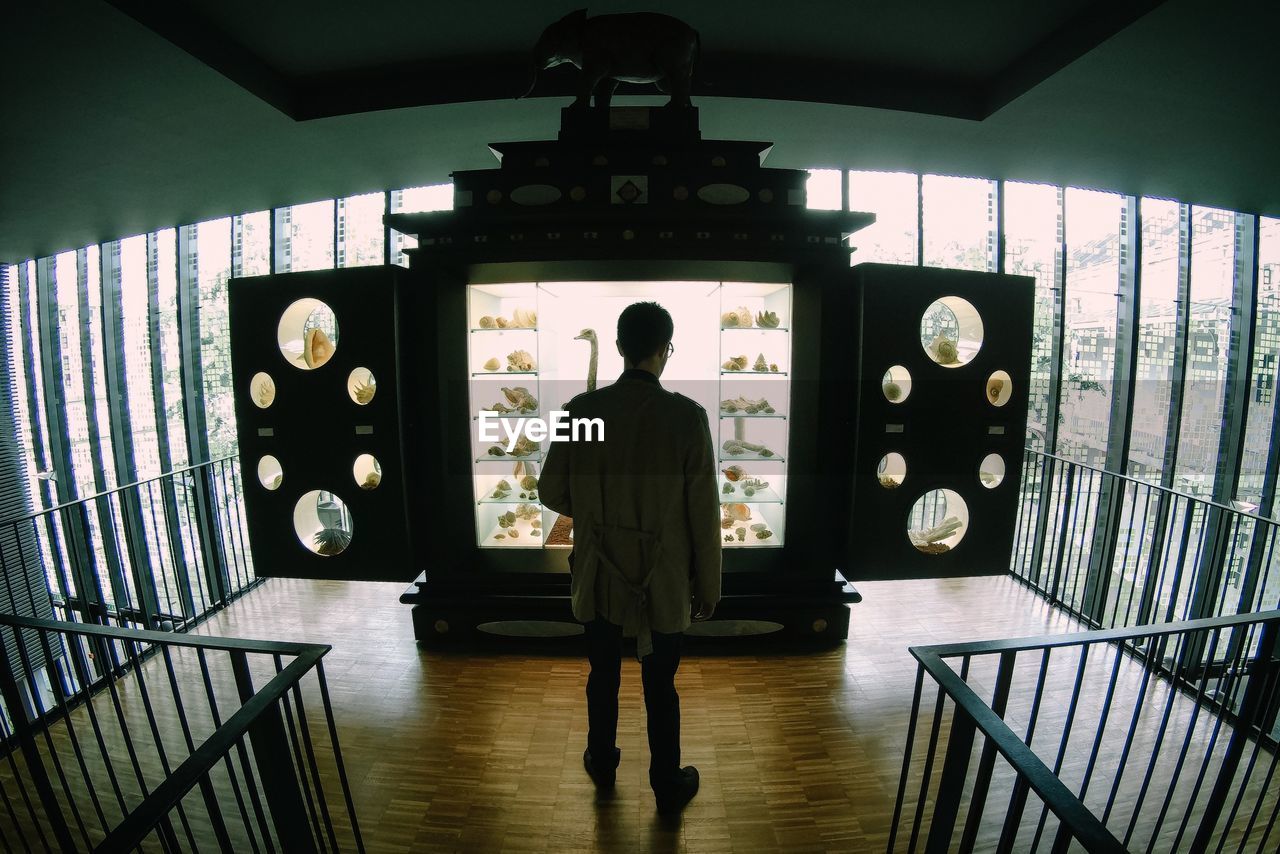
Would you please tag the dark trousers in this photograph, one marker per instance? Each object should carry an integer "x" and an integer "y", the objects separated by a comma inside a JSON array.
[{"x": 661, "y": 702}]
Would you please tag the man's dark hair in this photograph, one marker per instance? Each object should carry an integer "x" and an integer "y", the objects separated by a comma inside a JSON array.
[{"x": 643, "y": 329}]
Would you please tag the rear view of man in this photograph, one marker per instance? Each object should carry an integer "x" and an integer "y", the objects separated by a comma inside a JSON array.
[{"x": 646, "y": 544}]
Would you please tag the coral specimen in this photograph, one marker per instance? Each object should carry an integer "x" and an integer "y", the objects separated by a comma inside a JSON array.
[
  {"x": 316, "y": 349},
  {"x": 760, "y": 364},
  {"x": 525, "y": 318},
  {"x": 487, "y": 322},
  {"x": 264, "y": 391},
  {"x": 889, "y": 482},
  {"x": 773, "y": 367},
  {"x": 735, "y": 363},
  {"x": 943, "y": 350},
  {"x": 728, "y": 538},
  {"x": 518, "y": 400},
  {"x": 766, "y": 320},
  {"x": 762, "y": 531},
  {"x": 491, "y": 364},
  {"x": 520, "y": 360},
  {"x": 735, "y": 473},
  {"x": 747, "y": 405},
  {"x": 727, "y": 489},
  {"x": 364, "y": 391},
  {"x": 930, "y": 540},
  {"x": 528, "y": 512},
  {"x": 892, "y": 391},
  {"x": 331, "y": 541},
  {"x": 736, "y": 447},
  {"x": 742, "y": 533},
  {"x": 756, "y": 483}
]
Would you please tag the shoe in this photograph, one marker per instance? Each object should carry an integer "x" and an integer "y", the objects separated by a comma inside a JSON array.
[
  {"x": 603, "y": 778},
  {"x": 674, "y": 797}
]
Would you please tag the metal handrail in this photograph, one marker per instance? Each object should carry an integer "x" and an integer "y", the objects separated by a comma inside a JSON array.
[
  {"x": 106, "y": 492},
  {"x": 1154, "y": 486},
  {"x": 974, "y": 714}
]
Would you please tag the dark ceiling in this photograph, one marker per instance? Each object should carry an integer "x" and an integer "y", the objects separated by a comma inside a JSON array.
[{"x": 125, "y": 116}]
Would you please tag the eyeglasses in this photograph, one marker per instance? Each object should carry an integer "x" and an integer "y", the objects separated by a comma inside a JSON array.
[{"x": 671, "y": 349}]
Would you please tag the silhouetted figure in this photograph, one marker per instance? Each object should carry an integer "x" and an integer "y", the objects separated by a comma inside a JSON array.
[{"x": 646, "y": 544}]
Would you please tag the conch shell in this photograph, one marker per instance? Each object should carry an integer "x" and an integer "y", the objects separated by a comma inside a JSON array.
[
  {"x": 760, "y": 365},
  {"x": 503, "y": 323},
  {"x": 524, "y": 318},
  {"x": 995, "y": 386},
  {"x": 520, "y": 360},
  {"x": 264, "y": 391},
  {"x": 735, "y": 363},
  {"x": 767, "y": 320},
  {"x": 744, "y": 316},
  {"x": 364, "y": 391},
  {"x": 735, "y": 473},
  {"x": 487, "y": 322},
  {"x": 491, "y": 364},
  {"x": 316, "y": 348}
]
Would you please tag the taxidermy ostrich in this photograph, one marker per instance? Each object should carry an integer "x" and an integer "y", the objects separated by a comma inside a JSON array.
[
  {"x": 561, "y": 532},
  {"x": 590, "y": 336}
]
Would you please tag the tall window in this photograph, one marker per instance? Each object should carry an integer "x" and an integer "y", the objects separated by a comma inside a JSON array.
[
  {"x": 1089, "y": 314},
  {"x": 360, "y": 232},
  {"x": 251, "y": 244},
  {"x": 164, "y": 265},
  {"x": 822, "y": 190},
  {"x": 1033, "y": 236},
  {"x": 213, "y": 273},
  {"x": 307, "y": 235},
  {"x": 1157, "y": 338},
  {"x": 432, "y": 197},
  {"x": 893, "y": 198},
  {"x": 959, "y": 223},
  {"x": 1208, "y": 339}
]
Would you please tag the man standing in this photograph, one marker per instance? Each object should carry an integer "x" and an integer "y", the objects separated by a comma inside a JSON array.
[{"x": 646, "y": 544}]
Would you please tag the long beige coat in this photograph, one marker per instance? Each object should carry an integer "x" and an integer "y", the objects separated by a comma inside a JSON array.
[{"x": 646, "y": 513}]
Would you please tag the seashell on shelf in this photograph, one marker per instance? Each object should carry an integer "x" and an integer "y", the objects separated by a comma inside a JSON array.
[
  {"x": 735, "y": 473},
  {"x": 502, "y": 323},
  {"x": 766, "y": 320},
  {"x": 371, "y": 480},
  {"x": 520, "y": 360},
  {"x": 735, "y": 512},
  {"x": 760, "y": 364},
  {"x": 496, "y": 451},
  {"x": 729, "y": 320},
  {"x": 528, "y": 511},
  {"x": 529, "y": 482},
  {"x": 744, "y": 316},
  {"x": 316, "y": 348},
  {"x": 491, "y": 364},
  {"x": 525, "y": 318},
  {"x": 736, "y": 447},
  {"x": 735, "y": 363},
  {"x": 889, "y": 482},
  {"x": 524, "y": 447},
  {"x": 487, "y": 322}
]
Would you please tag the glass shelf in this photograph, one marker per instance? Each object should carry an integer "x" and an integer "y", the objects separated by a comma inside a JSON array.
[
  {"x": 724, "y": 414},
  {"x": 505, "y": 329},
  {"x": 725, "y": 373},
  {"x": 755, "y": 329},
  {"x": 762, "y": 496},
  {"x": 751, "y": 542},
  {"x": 512, "y": 498},
  {"x": 510, "y": 416},
  {"x": 494, "y": 458},
  {"x": 726, "y": 457},
  {"x": 504, "y": 373},
  {"x": 526, "y": 539}
]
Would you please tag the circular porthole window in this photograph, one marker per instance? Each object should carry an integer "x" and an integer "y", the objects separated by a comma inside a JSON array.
[
  {"x": 322, "y": 523},
  {"x": 999, "y": 388},
  {"x": 951, "y": 331},
  {"x": 262, "y": 390},
  {"x": 938, "y": 521},
  {"x": 361, "y": 385},
  {"x": 991, "y": 471},
  {"x": 307, "y": 334},
  {"x": 367, "y": 472},
  {"x": 896, "y": 384},
  {"x": 270, "y": 473},
  {"x": 892, "y": 470}
]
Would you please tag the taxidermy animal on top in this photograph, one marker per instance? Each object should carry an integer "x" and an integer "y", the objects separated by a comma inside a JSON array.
[{"x": 638, "y": 47}]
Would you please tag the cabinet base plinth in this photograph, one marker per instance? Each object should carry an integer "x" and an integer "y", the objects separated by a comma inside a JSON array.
[{"x": 547, "y": 624}]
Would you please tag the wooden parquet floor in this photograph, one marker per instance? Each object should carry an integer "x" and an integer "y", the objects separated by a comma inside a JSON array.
[{"x": 481, "y": 752}]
